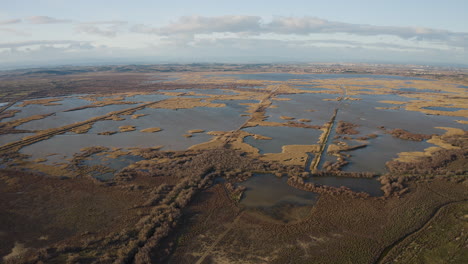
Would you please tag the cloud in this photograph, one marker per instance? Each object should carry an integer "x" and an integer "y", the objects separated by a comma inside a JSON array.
[
  {"x": 14, "y": 32},
  {"x": 271, "y": 50},
  {"x": 101, "y": 28},
  {"x": 93, "y": 30},
  {"x": 10, "y": 21},
  {"x": 108, "y": 22},
  {"x": 200, "y": 25},
  {"x": 239, "y": 36},
  {"x": 46, "y": 20},
  {"x": 254, "y": 25},
  {"x": 21, "y": 44}
]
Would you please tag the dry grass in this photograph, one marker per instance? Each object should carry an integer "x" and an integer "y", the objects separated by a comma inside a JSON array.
[
  {"x": 127, "y": 128},
  {"x": 151, "y": 130}
]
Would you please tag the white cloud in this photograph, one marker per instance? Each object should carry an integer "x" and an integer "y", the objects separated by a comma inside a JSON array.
[
  {"x": 46, "y": 20},
  {"x": 10, "y": 21},
  {"x": 45, "y": 43},
  {"x": 254, "y": 25},
  {"x": 14, "y": 32},
  {"x": 294, "y": 38},
  {"x": 102, "y": 28}
]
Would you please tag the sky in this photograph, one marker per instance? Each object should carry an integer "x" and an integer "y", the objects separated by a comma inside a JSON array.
[{"x": 47, "y": 32}]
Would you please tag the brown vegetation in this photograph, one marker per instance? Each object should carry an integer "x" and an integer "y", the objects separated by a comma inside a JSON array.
[
  {"x": 127, "y": 128},
  {"x": 107, "y": 133},
  {"x": 403, "y": 134},
  {"x": 346, "y": 128},
  {"x": 287, "y": 118},
  {"x": 166, "y": 207},
  {"x": 151, "y": 130},
  {"x": 442, "y": 162},
  {"x": 193, "y": 131}
]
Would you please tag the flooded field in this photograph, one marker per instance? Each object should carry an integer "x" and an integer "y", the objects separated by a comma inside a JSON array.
[
  {"x": 285, "y": 118},
  {"x": 267, "y": 190},
  {"x": 273, "y": 197},
  {"x": 191, "y": 166}
]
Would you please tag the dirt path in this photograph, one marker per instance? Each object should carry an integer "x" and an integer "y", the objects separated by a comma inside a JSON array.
[
  {"x": 323, "y": 145},
  {"x": 260, "y": 105},
  {"x": 231, "y": 225},
  {"x": 218, "y": 239},
  {"x": 410, "y": 235},
  {"x": 10, "y": 104},
  {"x": 326, "y": 134}
]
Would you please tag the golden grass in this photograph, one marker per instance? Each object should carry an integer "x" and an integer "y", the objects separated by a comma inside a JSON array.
[
  {"x": 126, "y": 128},
  {"x": 193, "y": 131},
  {"x": 436, "y": 140},
  {"x": 136, "y": 116},
  {"x": 82, "y": 129},
  {"x": 291, "y": 154},
  {"x": 45, "y": 102},
  {"x": 151, "y": 130}
]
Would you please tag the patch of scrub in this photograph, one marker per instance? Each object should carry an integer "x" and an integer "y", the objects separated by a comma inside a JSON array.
[
  {"x": 16, "y": 252},
  {"x": 281, "y": 136},
  {"x": 368, "y": 185},
  {"x": 115, "y": 164}
]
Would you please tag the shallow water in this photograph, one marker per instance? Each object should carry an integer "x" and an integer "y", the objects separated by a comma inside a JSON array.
[
  {"x": 34, "y": 109},
  {"x": 439, "y": 108},
  {"x": 267, "y": 190},
  {"x": 66, "y": 118},
  {"x": 174, "y": 124},
  {"x": 380, "y": 150},
  {"x": 364, "y": 114},
  {"x": 418, "y": 90},
  {"x": 7, "y": 138},
  {"x": 67, "y": 145},
  {"x": 307, "y": 106}
]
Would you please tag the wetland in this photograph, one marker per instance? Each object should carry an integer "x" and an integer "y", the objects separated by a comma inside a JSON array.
[{"x": 195, "y": 166}]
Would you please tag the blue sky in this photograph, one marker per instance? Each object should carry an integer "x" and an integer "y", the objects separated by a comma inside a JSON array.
[{"x": 47, "y": 31}]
